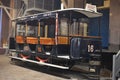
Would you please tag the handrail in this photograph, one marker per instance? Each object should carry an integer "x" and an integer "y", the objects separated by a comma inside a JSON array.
[{"x": 116, "y": 66}]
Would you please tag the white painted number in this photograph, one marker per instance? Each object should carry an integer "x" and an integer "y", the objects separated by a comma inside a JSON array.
[{"x": 90, "y": 48}]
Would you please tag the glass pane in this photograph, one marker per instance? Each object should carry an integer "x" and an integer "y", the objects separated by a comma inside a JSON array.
[
  {"x": 83, "y": 26},
  {"x": 20, "y": 30},
  {"x": 51, "y": 31},
  {"x": 32, "y": 31},
  {"x": 75, "y": 27},
  {"x": 63, "y": 27},
  {"x": 73, "y": 30}
]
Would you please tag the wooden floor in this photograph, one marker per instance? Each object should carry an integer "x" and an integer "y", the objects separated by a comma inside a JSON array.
[
  {"x": 14, "y": 72},
  {"x": 25, "y": 71}
]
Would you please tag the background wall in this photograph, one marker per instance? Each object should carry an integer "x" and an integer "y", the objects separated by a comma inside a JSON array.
[
  {"x": 4, "y": 23},
  {"x": 76, "y": 3},
  {"x": 104, "y": 27},
  {"x": 114, "y": 29}
]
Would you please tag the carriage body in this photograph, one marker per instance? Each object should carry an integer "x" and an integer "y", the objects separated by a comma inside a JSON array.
[{"x": 60, "y": 38}]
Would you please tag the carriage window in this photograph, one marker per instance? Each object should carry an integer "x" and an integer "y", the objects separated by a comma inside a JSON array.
[
  {"x": 51, "y": 32},
  {"x": 83, "y": 26},
  {"x": 79, "y": 27},
  {"x": 63, "y": 29},
  {"x": 47, "y": 28},
  {"x": 32, "y": 31},
  {"x": 74, "y": 27},
  {"x": 20, "y": 30},
  {"x": 47, "y": 31}
]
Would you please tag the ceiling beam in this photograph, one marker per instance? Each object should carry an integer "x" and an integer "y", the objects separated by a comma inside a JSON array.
[
  {"x": 6, "y": 10},
  {"x": 64, "y": 3},
  {"x": 1, "y": 6}
]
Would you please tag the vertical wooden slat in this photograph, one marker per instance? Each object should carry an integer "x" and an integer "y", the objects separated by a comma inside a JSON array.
[
  {"x": 46, "y": 31},
  {"x": 26, "y": 29},
  {"x": 38, "y": 29}
]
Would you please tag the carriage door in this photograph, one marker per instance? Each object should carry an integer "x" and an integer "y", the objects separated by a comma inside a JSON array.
[
  {"x": 75, "y": 48},
  {"x": 78, "y": 30}
]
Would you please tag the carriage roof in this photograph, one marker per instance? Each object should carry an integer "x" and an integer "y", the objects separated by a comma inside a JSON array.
[{"x": 86, "y": 13}]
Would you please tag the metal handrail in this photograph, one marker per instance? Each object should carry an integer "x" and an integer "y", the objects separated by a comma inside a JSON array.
[{"x": 116, "y": 66}]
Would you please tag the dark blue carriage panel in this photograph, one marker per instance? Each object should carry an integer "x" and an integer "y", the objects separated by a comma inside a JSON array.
[
  {"x": 97, "y": 45},
  {"x": 83, "y": 47}
]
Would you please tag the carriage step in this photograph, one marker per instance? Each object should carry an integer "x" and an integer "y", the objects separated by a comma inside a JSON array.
[{"x": 40, "y": 63}]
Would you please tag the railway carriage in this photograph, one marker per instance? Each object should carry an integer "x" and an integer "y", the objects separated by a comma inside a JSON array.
[{"x": 60, "y": 39}]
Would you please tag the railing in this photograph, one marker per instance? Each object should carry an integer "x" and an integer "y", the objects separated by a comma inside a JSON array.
[{"x": 116, "y": 66}]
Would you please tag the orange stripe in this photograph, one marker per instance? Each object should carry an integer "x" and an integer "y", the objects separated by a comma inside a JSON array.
[
  {"x": 32, "y": 40},
  {"x": 19, "y": 39},
  {"x": 47, "y": 41},
  {"x": 62, "y": 40}
]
